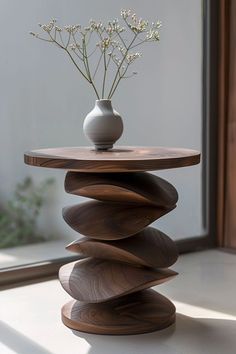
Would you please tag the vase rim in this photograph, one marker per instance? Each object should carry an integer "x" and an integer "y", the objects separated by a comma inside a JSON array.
[{"x": 104, "y": 100}]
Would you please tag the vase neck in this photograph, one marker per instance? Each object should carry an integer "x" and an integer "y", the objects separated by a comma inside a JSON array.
[{"x": 103, "y": 104}]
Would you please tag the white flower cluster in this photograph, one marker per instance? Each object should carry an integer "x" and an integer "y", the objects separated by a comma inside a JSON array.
[
  {"x": 137, "y": 25},
  {"x": 95, "y": 26},
  {"x": 115, "y": 59},
  {"x": 125, "y": 13},
  {"x": 132, "y": 56},
  {"x": 74, "y": 46},
  {"x": 48, "y": 26},
  {"x": 153, "y": 33},
  {"x": 72, "y": 28},
  {"x": 114, "y": 27},
  {"x": 114, "y": 50},
  {"x": 104, "y": 44}
]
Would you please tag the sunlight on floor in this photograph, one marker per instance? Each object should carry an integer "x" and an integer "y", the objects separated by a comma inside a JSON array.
[
  {"x": 200, "y": 312},
  {"x": 203, "y": 293}
]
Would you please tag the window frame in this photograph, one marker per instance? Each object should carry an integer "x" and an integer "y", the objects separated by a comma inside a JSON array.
[{"x": 35, "y": 272}]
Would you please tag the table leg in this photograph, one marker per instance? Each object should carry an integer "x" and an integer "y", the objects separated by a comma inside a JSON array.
[{"x": 125, "y": 256}]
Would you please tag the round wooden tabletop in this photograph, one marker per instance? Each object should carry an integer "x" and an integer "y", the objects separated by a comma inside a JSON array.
[{"x": 120, "y": 159}]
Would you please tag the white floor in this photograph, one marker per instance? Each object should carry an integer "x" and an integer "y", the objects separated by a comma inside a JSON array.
[{"x": 204, "y": 294}]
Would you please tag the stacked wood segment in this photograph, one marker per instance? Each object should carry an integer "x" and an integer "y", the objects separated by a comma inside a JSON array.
[{"x": 123, "y": 255}]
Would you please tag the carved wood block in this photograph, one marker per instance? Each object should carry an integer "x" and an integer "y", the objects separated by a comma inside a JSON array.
[
  {"x": 141, "y": 312},
  {"x": 139, "y": 187},
  {"x": 117, "y": 264},
  {"x": 150, "y": 247},
  {"x": 97, "y": 280},
  {"x": 111, "y": 221}
]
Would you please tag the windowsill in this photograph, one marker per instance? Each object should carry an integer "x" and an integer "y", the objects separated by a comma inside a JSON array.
[
  {"x": 38, "y": 252},
  {"x": 204, "y": 295}
]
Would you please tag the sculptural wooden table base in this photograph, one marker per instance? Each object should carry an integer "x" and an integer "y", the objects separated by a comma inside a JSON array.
[{"x": 124, "y": 256}]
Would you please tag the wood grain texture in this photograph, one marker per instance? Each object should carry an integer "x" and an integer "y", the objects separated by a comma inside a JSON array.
[
  {"x": 110, "y": 221},
  {"x": 110, "y": 286},
  {"x": 121, "y": 159},
  {"x": 150, "y": 247},
  {"x": 95, "y": 280},
  {"x": 137, "y": 313},
  {"x": 139, "y": 187}
]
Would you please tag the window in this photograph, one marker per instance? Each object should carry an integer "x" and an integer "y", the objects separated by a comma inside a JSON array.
[{"x": 169, "y": 103}]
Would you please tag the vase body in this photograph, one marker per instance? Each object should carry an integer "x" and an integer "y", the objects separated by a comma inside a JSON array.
[{"x": 103, "y": 125}]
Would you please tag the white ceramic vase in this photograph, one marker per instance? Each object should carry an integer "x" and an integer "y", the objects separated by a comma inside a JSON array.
[{"x": 103, "y": 125}]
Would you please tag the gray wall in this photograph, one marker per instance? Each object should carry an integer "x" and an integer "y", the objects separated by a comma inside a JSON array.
[{"x": 43, "y": 100}]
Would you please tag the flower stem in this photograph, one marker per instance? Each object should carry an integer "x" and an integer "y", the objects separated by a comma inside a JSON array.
[
  {"x": 89, "y": 74},
  {"x": 118, "y": 70},
  {"x": 105, "y": 73},
  {"x": 120, "y": 77}
]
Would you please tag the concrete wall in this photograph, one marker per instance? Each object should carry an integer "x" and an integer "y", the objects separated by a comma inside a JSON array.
[{"x": 43, "y": 100}]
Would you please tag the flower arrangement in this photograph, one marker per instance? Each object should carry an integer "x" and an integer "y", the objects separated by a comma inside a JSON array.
[{"x": 112, "y": 44}]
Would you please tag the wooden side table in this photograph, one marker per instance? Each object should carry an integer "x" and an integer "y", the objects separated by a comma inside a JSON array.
[{"x": 124, "y": 255}]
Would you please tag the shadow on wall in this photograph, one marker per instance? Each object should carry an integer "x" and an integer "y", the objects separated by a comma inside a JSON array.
[
  {"x": 188, "y": 335},
  {"x": 18, "y": 343}
]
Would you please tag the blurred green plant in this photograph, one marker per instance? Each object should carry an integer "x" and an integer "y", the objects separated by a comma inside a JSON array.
[{"x": 18, "y": 220}]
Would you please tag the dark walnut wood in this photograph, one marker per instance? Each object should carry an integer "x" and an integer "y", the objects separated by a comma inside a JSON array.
[
  {"x": 122, "y": 159},
  {"x": 110, "y": 221},
  {"x": 95, "y": 280},
  {"x": 141, "y": 312},
  {"x": 150, "y": 248},
  {"x": 139, "y": 187},
  {"x": 110, "y": 285}
]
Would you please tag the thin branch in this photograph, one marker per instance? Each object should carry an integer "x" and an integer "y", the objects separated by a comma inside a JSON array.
[
  {"x": 92, "y": 52},
  {"x": 105, "y": 73},
  {"x": 44, "y": 39},
  {"x": 112, "y": 86},
  {"x": 72, "y": 59},
  {"x": 84, "y": 57},
  {"x": 96, "y": 69},
  {"x": 124, "y": 44},
  {"x": 61, "y": 39},
  {"x": 136, "y": 45},
  {"x": 108, "y": 62},
  {"x": 90, "y": 77},
  {"x": 78, "y": 55},
  {"x": 68, "y": 41},
  {"x": 120, "y": 77}
]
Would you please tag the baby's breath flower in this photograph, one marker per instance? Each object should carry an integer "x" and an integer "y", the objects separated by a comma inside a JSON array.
[
  {"x": 105, "y": 43},
  {"x": 115, "y": 44},
  {"x": 114, "y": 27},
  {"x": 134, "y": 18},
  {"x": 157, "y": 25},
  {"x": 74, "y": 46},
  {"x": 121, "y": 49},
  {"x": 48, "y": 26},
  {"x": 138, "y": 26},
  {"x": 125, "y": 13},
  {"x": 132, "y": 56},
  {"x": 58, "y": 29},
  {"x": 95, "y": 26},
  {"x": 115, "y": 48},
  {"x": 153, "y": 35}
]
